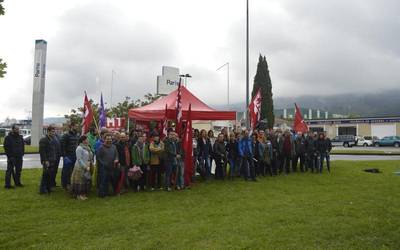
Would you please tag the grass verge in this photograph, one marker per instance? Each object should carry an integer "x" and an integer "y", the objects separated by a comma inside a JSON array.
[
  {"x": 347, "y": 209},
  {"x": 363, "y": 152}
]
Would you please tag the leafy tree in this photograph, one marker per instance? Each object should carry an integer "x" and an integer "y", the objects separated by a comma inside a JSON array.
[
  {"x": 3, "y": 65},
  {"x": 262, "y": 81},
  {"x": 119, "y": 110},
  {"x": 1, "y": 8}
]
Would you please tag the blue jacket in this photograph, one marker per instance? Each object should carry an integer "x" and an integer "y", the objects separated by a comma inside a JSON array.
[
  {"x": 245, "y": 145},
  {"x": 97, "y": 145}
]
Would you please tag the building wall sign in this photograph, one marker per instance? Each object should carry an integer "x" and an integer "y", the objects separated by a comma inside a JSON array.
[{"x": 354, "y": 121}]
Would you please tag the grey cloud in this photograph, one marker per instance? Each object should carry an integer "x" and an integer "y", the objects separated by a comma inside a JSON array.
[
  {"x": 324, "y": 46},
  {"x": 92, "y": 41}
]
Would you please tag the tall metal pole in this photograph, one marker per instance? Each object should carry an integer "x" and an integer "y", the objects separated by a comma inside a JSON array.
[
  {"x": 112, "y": 83},
  {"x": 247, "y": 64},
  {"x": 228, "y": 88}
]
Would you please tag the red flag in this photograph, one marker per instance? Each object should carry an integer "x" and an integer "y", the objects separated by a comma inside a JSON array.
[
  {"x": 164, "y": 125},
  {"x": 87, "y": 118},
  {"x": 179, "y": 109},
  {"x": 188, "y": 148},
  {"x": 299, "y": 124},
  {"x": 255, "y": 110}
]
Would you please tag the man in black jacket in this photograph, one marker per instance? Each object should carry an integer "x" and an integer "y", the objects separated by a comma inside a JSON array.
[
  {"x": 324, "y": 147},
  {"x": 220, "y": 157},
  {"x": 49, "y": 158},
  {"x": 57, "y": 144},
  {"x": 310, "y": 152},
  {"x": 69, "y": 143},
  {"x": 300, "y": 150},
  {"x": 15, "y": 149}
]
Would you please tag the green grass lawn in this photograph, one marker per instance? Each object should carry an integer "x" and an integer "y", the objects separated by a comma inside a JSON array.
[{"x": 347, "y": 209}]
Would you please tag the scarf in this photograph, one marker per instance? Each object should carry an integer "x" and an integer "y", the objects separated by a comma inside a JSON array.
[
  {"x": 127, "y": 155},
  {"x": 87, "y": 148}
]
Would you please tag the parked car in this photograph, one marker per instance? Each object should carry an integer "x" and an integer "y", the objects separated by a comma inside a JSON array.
[
  {"x": 393, "y": 141},
  {"x": 27, "y": 139},
  {"x": 344, "y": 140},
  {"x": 364, "y": 142},
  {"x": 372, "y": 138}
]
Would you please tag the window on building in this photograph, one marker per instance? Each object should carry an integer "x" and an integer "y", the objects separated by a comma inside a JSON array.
[
  {"x": 347, "y": 131},
  {"x": 317, "y": 129}
]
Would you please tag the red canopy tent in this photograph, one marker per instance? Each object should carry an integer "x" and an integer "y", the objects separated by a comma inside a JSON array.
[
  {"x": 165, "y": 109},
  {"x": 200, "y": 111}
]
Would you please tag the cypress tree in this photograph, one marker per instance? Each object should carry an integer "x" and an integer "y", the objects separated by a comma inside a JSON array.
[{"x": 262, "y": 81}]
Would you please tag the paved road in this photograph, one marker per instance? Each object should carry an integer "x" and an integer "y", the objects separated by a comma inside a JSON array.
[
  {"x": 33, "y": 161},
  {"x": 384, "y": 149},
  {"x": 30, "y": 161}
]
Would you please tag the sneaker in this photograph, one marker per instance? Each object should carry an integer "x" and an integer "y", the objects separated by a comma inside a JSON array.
[
  {"x": 169, "y": 189},
  {"x": 152, "y": 189}
]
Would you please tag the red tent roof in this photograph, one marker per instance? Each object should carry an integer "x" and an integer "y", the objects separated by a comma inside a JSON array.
[{"x": 200, "y": 111}]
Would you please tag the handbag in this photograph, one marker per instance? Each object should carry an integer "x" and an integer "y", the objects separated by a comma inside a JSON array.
[
  {"x": 135, "y": 173},
  {"x": 87, "y": 176}
]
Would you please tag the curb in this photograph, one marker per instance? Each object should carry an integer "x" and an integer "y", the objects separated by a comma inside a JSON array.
[{"x": 28, "y": 153}]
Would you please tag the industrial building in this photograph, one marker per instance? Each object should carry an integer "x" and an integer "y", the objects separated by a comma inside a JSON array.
[{"x": 363, "y": 126}]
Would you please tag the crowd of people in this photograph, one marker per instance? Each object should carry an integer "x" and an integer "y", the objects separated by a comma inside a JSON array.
[{"x": 114, "y": 162}]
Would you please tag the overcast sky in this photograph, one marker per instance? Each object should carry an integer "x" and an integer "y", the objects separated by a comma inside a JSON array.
[{"x": 312, "y": 47}]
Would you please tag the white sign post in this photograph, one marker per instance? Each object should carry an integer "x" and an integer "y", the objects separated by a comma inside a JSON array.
[
  {"x": 39, "y": 74},
  {"x": 168, "y": 81}
]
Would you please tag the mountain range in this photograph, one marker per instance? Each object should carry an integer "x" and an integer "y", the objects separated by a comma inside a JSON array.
[{"x": 385, "y": 103}]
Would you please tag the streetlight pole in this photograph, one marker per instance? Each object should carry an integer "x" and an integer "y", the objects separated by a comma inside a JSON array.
[
  {"x": 186, "y": 76},
  {"x": 112, "y": 85},
  {"x": 247, "y": 64},
  {"x": 226, "y": 64}
]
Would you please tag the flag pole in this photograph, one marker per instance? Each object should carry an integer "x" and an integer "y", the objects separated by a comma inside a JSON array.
[{"x": 95, "y": 122}]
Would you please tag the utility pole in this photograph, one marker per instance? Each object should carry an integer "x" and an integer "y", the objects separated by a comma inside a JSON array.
[{"x": 112, "y": 85}]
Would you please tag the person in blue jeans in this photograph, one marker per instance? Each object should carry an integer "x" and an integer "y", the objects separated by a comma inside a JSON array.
[
  {"x": 171, "y": 157},
  {"x": 204, "y": 148},
  {"x": 246, "y": 153},
  {"x": 324, "y": 146},
  {"x": 69, "y": 143}
]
